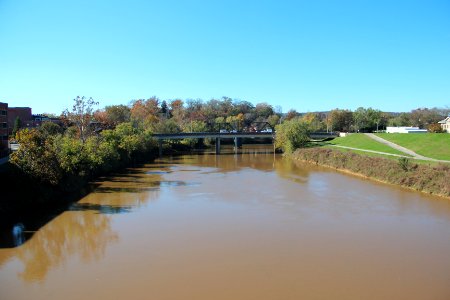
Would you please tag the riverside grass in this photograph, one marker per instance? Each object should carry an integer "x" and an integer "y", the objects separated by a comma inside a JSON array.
[
  {"x": 434, "y": 145},
  {"x": 431, "y": 179}
]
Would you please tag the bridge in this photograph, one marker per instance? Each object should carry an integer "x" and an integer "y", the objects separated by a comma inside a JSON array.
[{"x": 228, "y": 135}]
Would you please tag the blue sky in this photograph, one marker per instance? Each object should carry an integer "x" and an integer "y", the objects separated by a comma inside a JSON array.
[{"x": 306, "y": 55}]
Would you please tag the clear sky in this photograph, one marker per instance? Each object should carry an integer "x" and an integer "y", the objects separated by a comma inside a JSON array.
[{"x": 307, "y": 55}]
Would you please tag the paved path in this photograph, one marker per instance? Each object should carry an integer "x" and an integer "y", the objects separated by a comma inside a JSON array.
[
  {"x": 402, "y": 149},
  {"x": 397, "y": 147},
  {"x": 371, "y": 151}
]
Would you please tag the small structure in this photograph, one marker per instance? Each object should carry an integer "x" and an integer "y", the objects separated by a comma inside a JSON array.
[
  {"x": 404, "y": 129},
  {"x": 445, "y": 124}
]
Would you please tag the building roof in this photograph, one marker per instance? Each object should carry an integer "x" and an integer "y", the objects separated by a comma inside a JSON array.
[{"x": 446, "y": 120}]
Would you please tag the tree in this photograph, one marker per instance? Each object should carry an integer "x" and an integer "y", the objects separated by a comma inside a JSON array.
[
  {"x": 81, "y": 116},
  {"x": 402, "y": 119},
  {"x": 291, "y": 134},
  {"x": 313, "y": 121},
  {"x": 194, "y": 126},
  {"x": 435, "y": 128},
  {"x": 340, "y": 120},
  {"x": 116, "y": 114},
  {"x": 194, "y": 110},
  {"x": 176, "y": 110},
  {"x": 242, "y": 107},
  {"x": 292, "y": 113},
  {"x": 360, "y": 118},
  {"x": 145, "y": 112},
  {"x": 273, "y": 120},
  {"x": 375, "y": 117},
  {"x": 17, "y": 126},
  {"x": 164, "y": 108},
  {"x": 37, "y": 157},
  {"x": 166, "y": 126},
  {"x": 263, "y": 110},
  {"x": 422, "y": 117},
  {"x": 50, "y": 129}
]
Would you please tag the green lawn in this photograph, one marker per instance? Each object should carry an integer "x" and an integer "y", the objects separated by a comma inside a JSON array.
[
  {"x": 361, "y": 141},
  {"x": 434, "y": 145}
]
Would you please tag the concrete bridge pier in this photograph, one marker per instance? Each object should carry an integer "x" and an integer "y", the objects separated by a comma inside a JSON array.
[
  {"x": 217, "y": 145},
  {"x": 237, "y": 143}
]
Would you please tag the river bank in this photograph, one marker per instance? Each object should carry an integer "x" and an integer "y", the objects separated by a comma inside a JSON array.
[{"x": 431, "y": 179}]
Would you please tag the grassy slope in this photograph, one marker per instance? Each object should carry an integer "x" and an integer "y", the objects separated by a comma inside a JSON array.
[
  {"x": 431, "y": 179},
  {"x": 434, "y": 145},
  {"x": 361, "y": 141}
]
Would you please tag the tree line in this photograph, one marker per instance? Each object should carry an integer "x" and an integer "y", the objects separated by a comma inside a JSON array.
[
  {"x": 95, "y": 141},
  {"x": 196, "y": 115}
]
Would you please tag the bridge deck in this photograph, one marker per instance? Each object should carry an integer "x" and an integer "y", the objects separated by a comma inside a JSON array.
[
  {"x": 229, "y": 135},
  {"x": 202, "y": 135}
]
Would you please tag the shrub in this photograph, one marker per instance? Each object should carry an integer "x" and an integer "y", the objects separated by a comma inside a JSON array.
[{"x": 404, "y": 163}]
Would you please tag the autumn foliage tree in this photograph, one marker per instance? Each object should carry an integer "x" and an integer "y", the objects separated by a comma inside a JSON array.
[{"x": 81, "y": 116}]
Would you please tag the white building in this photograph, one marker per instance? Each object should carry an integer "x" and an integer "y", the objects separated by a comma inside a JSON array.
[
  {"x": 445, "y": 124},
  {"x": 405, "y": 130}
]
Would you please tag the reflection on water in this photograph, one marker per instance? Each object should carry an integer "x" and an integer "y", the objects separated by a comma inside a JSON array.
[
  {"x": 100, "y": 209},
  {"x": 73, "y": 234},
  {"x": 84, "y": 230},
  {"x": 252, "y": 226}
]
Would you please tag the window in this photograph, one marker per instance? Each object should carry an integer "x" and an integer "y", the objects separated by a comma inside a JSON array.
[
  {"x": 3, "y": 112},
  {"x": 4, "y": 125},
  {"x": 5, "y": 137}
]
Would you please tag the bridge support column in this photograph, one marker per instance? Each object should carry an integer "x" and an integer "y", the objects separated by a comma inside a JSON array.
[
  {"x": 217, "y": 145},
  {"x": 160, "y": 143},
  {"x": 237, "y": 143}
]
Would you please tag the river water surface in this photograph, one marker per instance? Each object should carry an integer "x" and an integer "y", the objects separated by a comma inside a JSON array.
[{"x": 250, "y": 226}]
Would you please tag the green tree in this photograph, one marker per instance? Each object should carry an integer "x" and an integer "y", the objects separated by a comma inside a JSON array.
[
  {"x": 50, "y": 129},
  {"x": 273, "y": 120},
  {"x": 166, "y": 126},
  {"x": 313, "y": 121},
  {"x": 360, "y": 118},
  {"x": 263, "y": 110},
  {"x": 116, "y": 114},
  {"x": 402, "y": 119},
  {"x": 37, "y": 157},
  {"x": 164, "y": 108},
  {"x": 291, "y": 134},
  {"x": 17, "y": 126},
  {"x": 340, "y": 120},
  {"x": 194, "y": 126}
]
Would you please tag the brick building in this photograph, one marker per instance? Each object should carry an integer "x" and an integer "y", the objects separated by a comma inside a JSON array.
[
  {"x": 3, "y": 126},
  {"x": 23, "y": 113}
]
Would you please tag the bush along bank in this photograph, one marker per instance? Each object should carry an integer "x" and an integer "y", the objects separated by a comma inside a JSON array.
[
  {"x": 425, "y": 178},
  {"x": 52, "y": 166}
]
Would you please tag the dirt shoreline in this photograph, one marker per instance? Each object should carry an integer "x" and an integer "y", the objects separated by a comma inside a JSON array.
[{"x": 426, "y": 179}]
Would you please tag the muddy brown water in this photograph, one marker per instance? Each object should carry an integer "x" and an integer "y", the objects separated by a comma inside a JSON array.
[{"x": 250, "y": 226}]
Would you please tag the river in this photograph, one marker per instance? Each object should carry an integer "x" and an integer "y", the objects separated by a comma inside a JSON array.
[{"x": 246, "y": 226}]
